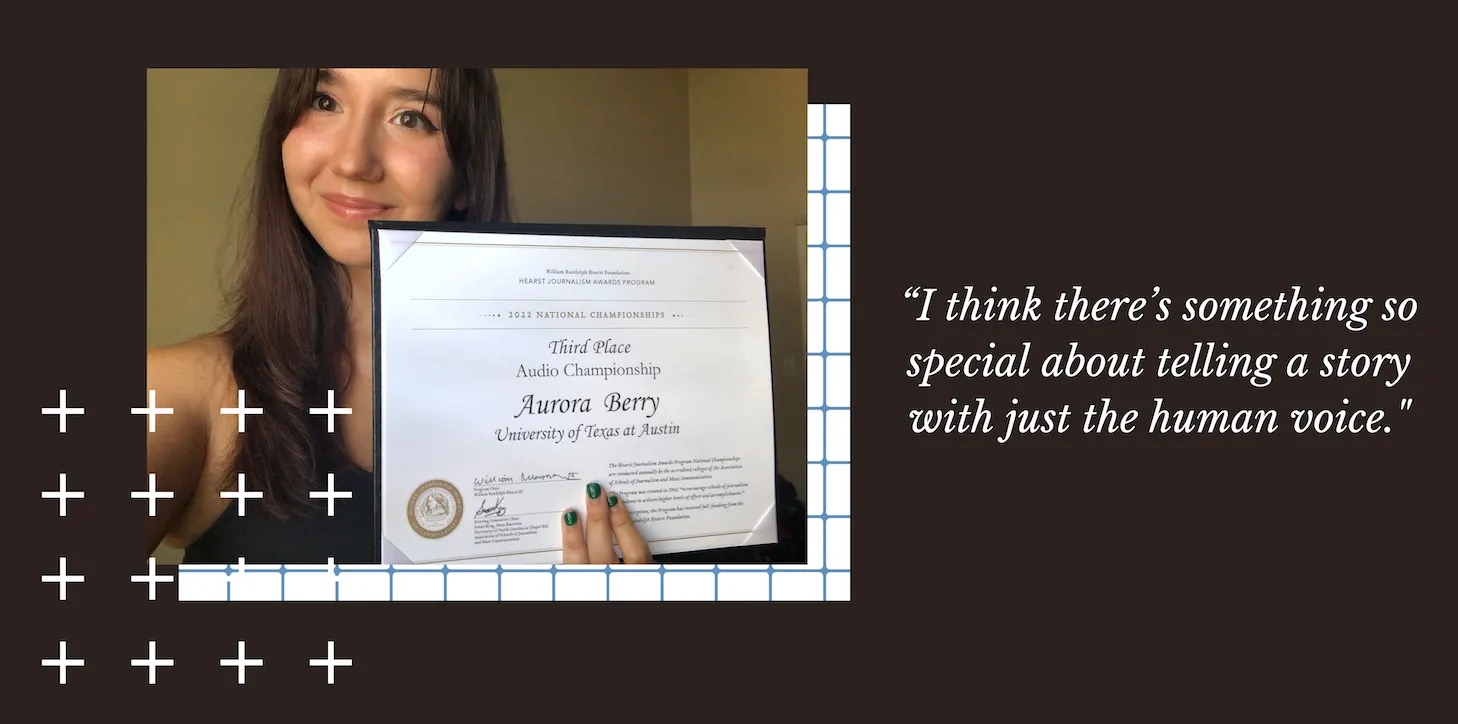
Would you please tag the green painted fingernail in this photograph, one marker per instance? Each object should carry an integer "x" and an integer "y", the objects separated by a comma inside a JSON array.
[
  {"x": 594, "y": 490},
  {"x": 612, "y": 500},
  {"x": 570, "y": 518}
]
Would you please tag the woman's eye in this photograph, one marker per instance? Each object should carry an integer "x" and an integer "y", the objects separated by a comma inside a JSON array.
[
  {"x": 323, "y": 102},
  {"x": 415, "y": 121}
]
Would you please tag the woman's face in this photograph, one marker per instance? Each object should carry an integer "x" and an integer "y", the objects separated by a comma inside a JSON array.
[{"x": 368, "y": 147}]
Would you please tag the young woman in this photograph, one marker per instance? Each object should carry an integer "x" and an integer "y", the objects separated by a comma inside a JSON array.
[{"x": 338, "y": 147}]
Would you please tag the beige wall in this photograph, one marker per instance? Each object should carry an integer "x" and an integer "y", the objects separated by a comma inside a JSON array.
[
  {"x": 747, "y": 163},
  {"x": 597, "y": 146},
  {"x": 653, "y": 146},
  {"x": 201, "y": 131}
]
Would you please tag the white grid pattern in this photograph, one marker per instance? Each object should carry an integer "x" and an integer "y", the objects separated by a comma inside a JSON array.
[{"x": 824, "y": 576}]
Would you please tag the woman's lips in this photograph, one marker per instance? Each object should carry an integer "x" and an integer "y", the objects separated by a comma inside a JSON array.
[{"x": 353, "y": 208}]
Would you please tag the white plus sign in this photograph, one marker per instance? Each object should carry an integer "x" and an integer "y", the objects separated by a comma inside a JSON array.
[
  {"x": 331, "y": 495},
  {"x": 151, "y": 579},
  {"x": 62, "y": 494},
  {"x": 62, "y": 662},
  {"x": 241, "y": 411},
  {"x": 62, "y": 578},
  {"x": 241, "y": 496},
  {"x": 63, "y": 411},
  {"x": 151, "y": 494},
  {"x": 240, "y": 662},
  {"x": 331, "y": 662},
  {"x": 151, "y": 411},
  {"x": 151, "y": 662},
  {"x": 331, "y": 411}
]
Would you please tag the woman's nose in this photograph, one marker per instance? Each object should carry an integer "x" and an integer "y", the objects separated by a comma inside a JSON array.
[{"x": 356, "y": 152}]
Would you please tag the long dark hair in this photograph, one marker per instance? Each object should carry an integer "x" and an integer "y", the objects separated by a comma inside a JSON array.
[{"x": 288, "y": 323}]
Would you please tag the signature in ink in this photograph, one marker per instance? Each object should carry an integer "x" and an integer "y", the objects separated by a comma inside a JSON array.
[
  {"x": 494, "y": 511},
  {"x": 532, "y": 478}
]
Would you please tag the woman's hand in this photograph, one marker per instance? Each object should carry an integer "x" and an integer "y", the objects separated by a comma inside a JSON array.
[{"x": 588, "y": 539}]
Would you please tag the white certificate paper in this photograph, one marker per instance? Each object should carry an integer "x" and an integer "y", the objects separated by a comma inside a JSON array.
[{"x": 514, "y": 364}]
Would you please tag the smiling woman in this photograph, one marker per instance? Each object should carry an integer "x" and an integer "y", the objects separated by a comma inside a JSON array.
[
  {"x": 337, "y": 148},
  {"x": 369, "y": 145}
]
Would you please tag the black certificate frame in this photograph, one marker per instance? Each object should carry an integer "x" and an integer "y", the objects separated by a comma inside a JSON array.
[{"x": 730, "y": 555}]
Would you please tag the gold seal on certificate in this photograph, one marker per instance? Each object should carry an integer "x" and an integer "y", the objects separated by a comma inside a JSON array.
[{"x": 435, "y": 509}]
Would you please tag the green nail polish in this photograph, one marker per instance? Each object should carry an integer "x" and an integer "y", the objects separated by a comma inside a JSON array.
[
  {"x": 612, "y": 500},
  {"x": 594, "y": 490},
  {"x": 570, "y": 518}
]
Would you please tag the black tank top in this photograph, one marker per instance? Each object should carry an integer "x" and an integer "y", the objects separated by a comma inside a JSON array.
[{"x": 315, "y": 537}]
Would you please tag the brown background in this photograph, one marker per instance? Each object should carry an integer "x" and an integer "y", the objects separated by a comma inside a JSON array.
[{"x": 1057, "y": 579}]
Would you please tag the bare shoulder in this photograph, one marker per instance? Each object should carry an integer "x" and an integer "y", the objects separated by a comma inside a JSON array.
[
  {"x": 187, "y": 447},
  {"x": 189, "y": 374}
]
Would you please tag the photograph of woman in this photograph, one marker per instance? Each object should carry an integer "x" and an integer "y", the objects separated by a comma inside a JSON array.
[{"x": 337, "y": 148}]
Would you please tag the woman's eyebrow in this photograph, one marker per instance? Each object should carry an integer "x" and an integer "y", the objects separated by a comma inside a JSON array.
[
  {"x": 409, "y": 95},
  {"x": 415, "y": 95}
]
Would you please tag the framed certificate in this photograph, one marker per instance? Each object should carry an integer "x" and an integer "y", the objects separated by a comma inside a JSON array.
[{"x": 516, "y": 363}]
